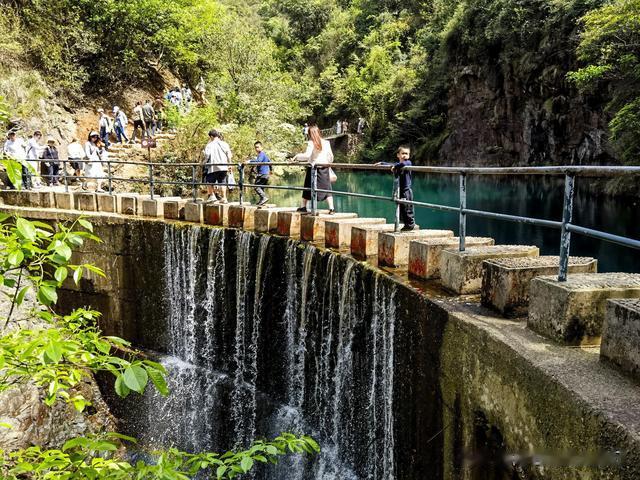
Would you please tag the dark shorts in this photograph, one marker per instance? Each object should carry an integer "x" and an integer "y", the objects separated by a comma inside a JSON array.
[
  {"x": 138, "y": 123},
  {"x": 216, "y": 177},
  {"x": 76, "y": 164}
]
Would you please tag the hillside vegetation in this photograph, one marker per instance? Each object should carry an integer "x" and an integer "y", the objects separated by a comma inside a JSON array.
[{"x": 466, "y": 82}]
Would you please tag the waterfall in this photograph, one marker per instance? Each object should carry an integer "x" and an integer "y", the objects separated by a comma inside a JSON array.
[{"x": 265, "y": 336}]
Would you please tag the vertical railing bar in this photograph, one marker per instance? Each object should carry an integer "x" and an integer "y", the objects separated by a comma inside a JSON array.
[
  {"x": 241, "y": 182},
  {"x": 151, "y": 189},
  {"x": 193, "y": 182},
  {"x": 314, "y": 192},
  {"x": 463, "y": 215},
  {"x": 109, "y": 177},
  {"x": 565, "y": 235},
  {"x": 64, "y": 173},
  {"x": 396, "y": 196}
]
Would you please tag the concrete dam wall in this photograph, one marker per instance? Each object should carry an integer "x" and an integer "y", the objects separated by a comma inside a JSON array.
[{"x": 264, "y": 333}]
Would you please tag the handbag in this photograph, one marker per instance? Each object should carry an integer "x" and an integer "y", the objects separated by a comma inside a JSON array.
[
  {"x": 333, "y": 178},
  {"x": 231, "y": 182}
]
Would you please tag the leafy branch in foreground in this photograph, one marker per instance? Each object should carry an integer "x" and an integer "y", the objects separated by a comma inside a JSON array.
[
  {"x": 65, "y": 349},
  {"x": 92, "y": 458}
]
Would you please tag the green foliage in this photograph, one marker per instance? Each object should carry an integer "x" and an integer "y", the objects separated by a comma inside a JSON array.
[
  {"x": 610, "y": 43},
  {"x": 95, "y": 458},
  {"x": 35, "y": 257}
]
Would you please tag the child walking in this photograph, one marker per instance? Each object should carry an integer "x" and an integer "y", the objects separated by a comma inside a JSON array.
[{"x": 407, "y": 214}]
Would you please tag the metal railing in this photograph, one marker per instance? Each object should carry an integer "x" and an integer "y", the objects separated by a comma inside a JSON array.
[{"x": 565, "y": 225}]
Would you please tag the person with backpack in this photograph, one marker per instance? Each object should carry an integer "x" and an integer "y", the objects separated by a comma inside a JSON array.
[
  {"x": 217, "y": 156},
  {"x": 149, "y": 117},
  {"x": 120, "y": 125},
  {"x": 51, "y": 165},
  {"x": 262, "y": 172}
]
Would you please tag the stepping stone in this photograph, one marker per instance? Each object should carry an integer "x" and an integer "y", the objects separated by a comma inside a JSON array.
[
  {"x": 64, "y": 200},
  {"x": 85, "y": 201},
  {"x": 505, "y": 281},
  {"x": 573, "y": 312},
  {"x": 265, "y": 220},
  {"x": 127, "y": 204},
  {"x": 393, "y": 247},
  {"x": 243, "y": 216},
  {"x": 174, "y": 209},
  {"x": 194, "y": 212},
  {"x": 312, "y": 226},
  {"x": 621, "y": 335},
  {"x": 461, "y": 272},
  {"x": 13, "y": 197},
  {"x": 217, "y": 213},
  {"x": 152, "y": 208},
  {"x": 289, "y": 223},
  {"x": 364, "y": 239},
  {"x": 106, "y": 203},
  {"x": 424, "y": 255},
  {"x": 337, "y": 233}
]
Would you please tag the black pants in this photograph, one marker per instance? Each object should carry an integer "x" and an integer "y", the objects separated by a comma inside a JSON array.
[
  {"x": 26, "y": 178},
  {"x": 261, "y": 180},
  {"x": 407, "y": 215},
  {"x": 50, "y": 173}
]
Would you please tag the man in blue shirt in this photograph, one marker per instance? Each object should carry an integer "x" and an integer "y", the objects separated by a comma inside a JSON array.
[
  {"x": 407, "y": 214},
  {"x": 262, "y": 172}
]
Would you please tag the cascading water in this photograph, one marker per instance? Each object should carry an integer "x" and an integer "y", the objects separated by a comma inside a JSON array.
[{"x": 265, "y": 335}]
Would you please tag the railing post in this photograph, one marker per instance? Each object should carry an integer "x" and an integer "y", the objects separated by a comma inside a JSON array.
[
  {"x": 193, "y": 182},
  {"x": 314, "y": 190},
  {"x": 396, "y": 196},
  {"x": 109, "y": 177},
  {"x": 241, "y": 182},
  {"x": 463, "y": 215},
  {"x": 64, "y": 174},
  {"x": 151, "y": 189},
  {"x": 565, "y": 236}
]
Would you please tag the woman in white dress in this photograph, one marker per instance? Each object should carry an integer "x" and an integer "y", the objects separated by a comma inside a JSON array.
[{"x": 93, "y": 167}]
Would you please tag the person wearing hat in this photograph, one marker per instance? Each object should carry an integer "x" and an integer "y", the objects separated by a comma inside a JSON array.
[
  {"x": 51, "y": 164},
  {"x": 105, "y": 127},
  {"x": 14, "y": 147},
  {"x": 34, "y": 154},
  {"x": 120, "y": 124},
  {"x": 93, "y": 164}
]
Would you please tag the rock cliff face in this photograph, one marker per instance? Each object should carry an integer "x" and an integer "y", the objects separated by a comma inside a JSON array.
[{"x": 496, "y": 119}]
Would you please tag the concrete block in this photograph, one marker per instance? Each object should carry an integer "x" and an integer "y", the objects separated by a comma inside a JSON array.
[
  {"x": 461, "y": 272},
  {"x": 265, "y": 220},
  {"x": 64, "y": 200},
  {"x": 194, "y": 212},
  {"x": 127, "y": 204},
  {"x": 337, "y": 233},
  {"x": 217, "y": 213},
  {"x": 106, "y": 203},
  {"x": 505, "y": 281},
  {"x": 46, "y": 199},
  {"x": 174, "y": 209},
  {"x": 424, "y": 255},
  {"x": 312, "y": 226},
  {"x": 573, "y": 312},
  {"x": 85, "y": 201},
  {"x": 393, "y": 247},
  {"x": 364, "y": 239},
  {"x": 152, "y": 208},
  {"x": 621, "y": 335},
  {"x": 289, "y": 224},
  {"x": 243, "y": 216},
  {"x": 13, "y": 197}
]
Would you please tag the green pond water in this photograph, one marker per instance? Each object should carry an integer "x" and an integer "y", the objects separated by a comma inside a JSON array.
[{"x": 532, "y": 196}]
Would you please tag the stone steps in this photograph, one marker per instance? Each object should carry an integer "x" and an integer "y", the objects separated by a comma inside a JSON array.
[
  {"x": 338, "y": 232},
  {"x": 461, "y": 272},
  {"x": 505, "y": 281},
  {"x": 364, "y": 239},
  {"x": 621, "y": 335},
  {"x": 312, "y": 227}
]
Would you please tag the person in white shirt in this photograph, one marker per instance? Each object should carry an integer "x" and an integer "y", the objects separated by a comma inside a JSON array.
[
  {"x": 318, "y": 154},
  {"x": 14, "y": 147},
  {"x": 93, "y": 167},
  {"x": 34, "y": 153},
  {"x": 75, "y": 153},
  {"x": 217, "y": 154}
]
